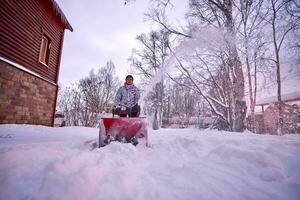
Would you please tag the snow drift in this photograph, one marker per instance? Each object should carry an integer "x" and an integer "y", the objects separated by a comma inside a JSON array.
[{"x": 39, "y": 162}]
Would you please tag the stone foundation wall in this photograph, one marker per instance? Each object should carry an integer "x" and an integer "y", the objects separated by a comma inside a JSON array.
[{"x": 24, "y": 98}]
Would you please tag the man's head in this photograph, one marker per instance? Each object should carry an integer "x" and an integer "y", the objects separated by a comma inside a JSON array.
[{"x": 129, "y": 79}]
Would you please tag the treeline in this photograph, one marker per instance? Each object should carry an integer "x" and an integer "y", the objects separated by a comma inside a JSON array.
[
  {"x": 215, "y": 65},
  {"x": 84, "y": 102},
  {"x": 228, "y": 51}
]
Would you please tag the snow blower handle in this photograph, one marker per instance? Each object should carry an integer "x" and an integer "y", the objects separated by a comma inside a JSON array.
[
  {"x": 114, "y": 111},
  {"x": 119, "y": 110}
]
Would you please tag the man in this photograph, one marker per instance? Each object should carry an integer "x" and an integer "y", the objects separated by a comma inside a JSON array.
[{"x": 126, "y": 100}]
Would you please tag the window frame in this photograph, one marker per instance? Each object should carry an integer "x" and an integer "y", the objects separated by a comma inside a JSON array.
[{"x": 45, "y": 50}]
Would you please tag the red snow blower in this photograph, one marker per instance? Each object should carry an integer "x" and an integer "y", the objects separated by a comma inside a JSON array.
[{"x": 122, "y": 129}]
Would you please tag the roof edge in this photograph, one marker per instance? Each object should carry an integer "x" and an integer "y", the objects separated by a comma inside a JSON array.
[{"x": 59, "y": 13}]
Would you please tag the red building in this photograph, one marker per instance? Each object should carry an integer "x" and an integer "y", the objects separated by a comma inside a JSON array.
[
  {"x": 31, "y": 40},
  {"x": 267, "y": 120}
]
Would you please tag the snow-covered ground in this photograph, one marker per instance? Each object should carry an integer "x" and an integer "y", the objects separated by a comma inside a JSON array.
[{"x": 38, "y": 162}]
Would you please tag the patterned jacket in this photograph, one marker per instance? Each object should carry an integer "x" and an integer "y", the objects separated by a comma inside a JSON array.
[{"x": 127, "y": 96}]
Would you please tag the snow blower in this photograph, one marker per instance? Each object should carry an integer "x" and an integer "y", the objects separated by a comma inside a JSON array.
[{"x": 122, "y": 129}]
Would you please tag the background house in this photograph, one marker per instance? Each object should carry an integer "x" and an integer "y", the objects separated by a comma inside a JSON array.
[
  {"x": 31, "y": 39},
  {"x": 291, "y": 119},
  {"x": 266, "y": 121}
]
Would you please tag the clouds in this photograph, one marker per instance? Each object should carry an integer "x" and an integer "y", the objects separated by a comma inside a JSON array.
[
  {"x": 116, "y": 42},
  {"x": 103, "y": 30}
]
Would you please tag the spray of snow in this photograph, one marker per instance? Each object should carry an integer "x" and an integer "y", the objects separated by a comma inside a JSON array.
[{"x": 202, "y": 39}]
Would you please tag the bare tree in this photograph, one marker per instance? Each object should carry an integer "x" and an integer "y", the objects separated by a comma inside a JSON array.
[
  {"x": 147, "y": 62},
  {"x": 84, "y": 102},
  {"x": 251, "y": 14},
  {"x": 283, "y": 20},
  {"x": 219, "y": 14},
  {"x": 69, "y": 103},
  {"x": 244, "y": 18},
  {"x": 98, "y": 93},
  {"x": 184, "y": 102}
]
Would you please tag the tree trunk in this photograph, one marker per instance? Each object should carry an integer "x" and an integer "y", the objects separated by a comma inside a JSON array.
[
  {"x": 276, "y": 49},
  {"x": 238, "y": 103},
  {"x": 280, "y": 113},
  {"x": 168, "y": 111},
  {"x": 155, "y": 121},
  {"x": 254, "y": 94},
  {"x": 251, "y": 99}
]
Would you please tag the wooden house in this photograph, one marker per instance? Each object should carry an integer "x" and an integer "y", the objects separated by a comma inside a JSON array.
[
  {"x": 31, "y": 40},
  {"x": 291, "y": 118},
  {"x": 267, "y": 120}
]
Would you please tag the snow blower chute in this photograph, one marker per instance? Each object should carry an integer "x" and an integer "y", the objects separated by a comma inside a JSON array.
[{"x": 123, "y": 129}]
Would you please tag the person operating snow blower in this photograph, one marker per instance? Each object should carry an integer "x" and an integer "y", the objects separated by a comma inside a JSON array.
[
  {"x": 124, "y": 129},
  {"x": 126, "y": 104},
  {"x": 126, "y": 99}
]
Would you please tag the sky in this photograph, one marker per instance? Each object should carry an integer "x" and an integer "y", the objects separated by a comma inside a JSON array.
[{"x": 103, "y": 31}]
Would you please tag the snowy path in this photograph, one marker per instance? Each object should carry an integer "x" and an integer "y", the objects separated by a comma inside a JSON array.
[{"x": 39, "y": 162}]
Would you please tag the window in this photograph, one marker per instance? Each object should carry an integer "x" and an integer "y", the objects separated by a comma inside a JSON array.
[
  {"x": 58, "y": 115},
  {"x": 45, "y": 50}
]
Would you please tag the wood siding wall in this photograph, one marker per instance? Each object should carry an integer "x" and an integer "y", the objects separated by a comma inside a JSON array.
[{"x": 22, "y": 24}]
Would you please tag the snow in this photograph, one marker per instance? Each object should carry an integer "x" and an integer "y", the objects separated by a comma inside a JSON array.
[
  {"x": 285, "y": 97},
  {"x": 38, "y": 162}
]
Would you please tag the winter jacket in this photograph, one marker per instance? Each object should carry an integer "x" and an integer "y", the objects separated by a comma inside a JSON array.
[{"x": 127, "y": 96}]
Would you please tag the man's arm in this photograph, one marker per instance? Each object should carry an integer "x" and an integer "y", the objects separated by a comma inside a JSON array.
[{"x": 118, "y": 97}]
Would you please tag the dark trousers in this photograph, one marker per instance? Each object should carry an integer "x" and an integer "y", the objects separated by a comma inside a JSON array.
[{"x": 130, "y": 112}]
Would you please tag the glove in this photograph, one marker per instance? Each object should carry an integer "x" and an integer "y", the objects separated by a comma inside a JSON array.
[
  {"x": 114, "y": 109},
  {"x": 123, "y": 108}
]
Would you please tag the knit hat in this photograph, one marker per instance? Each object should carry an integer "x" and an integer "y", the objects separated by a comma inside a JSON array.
[{"x": 129, "y": 76}]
